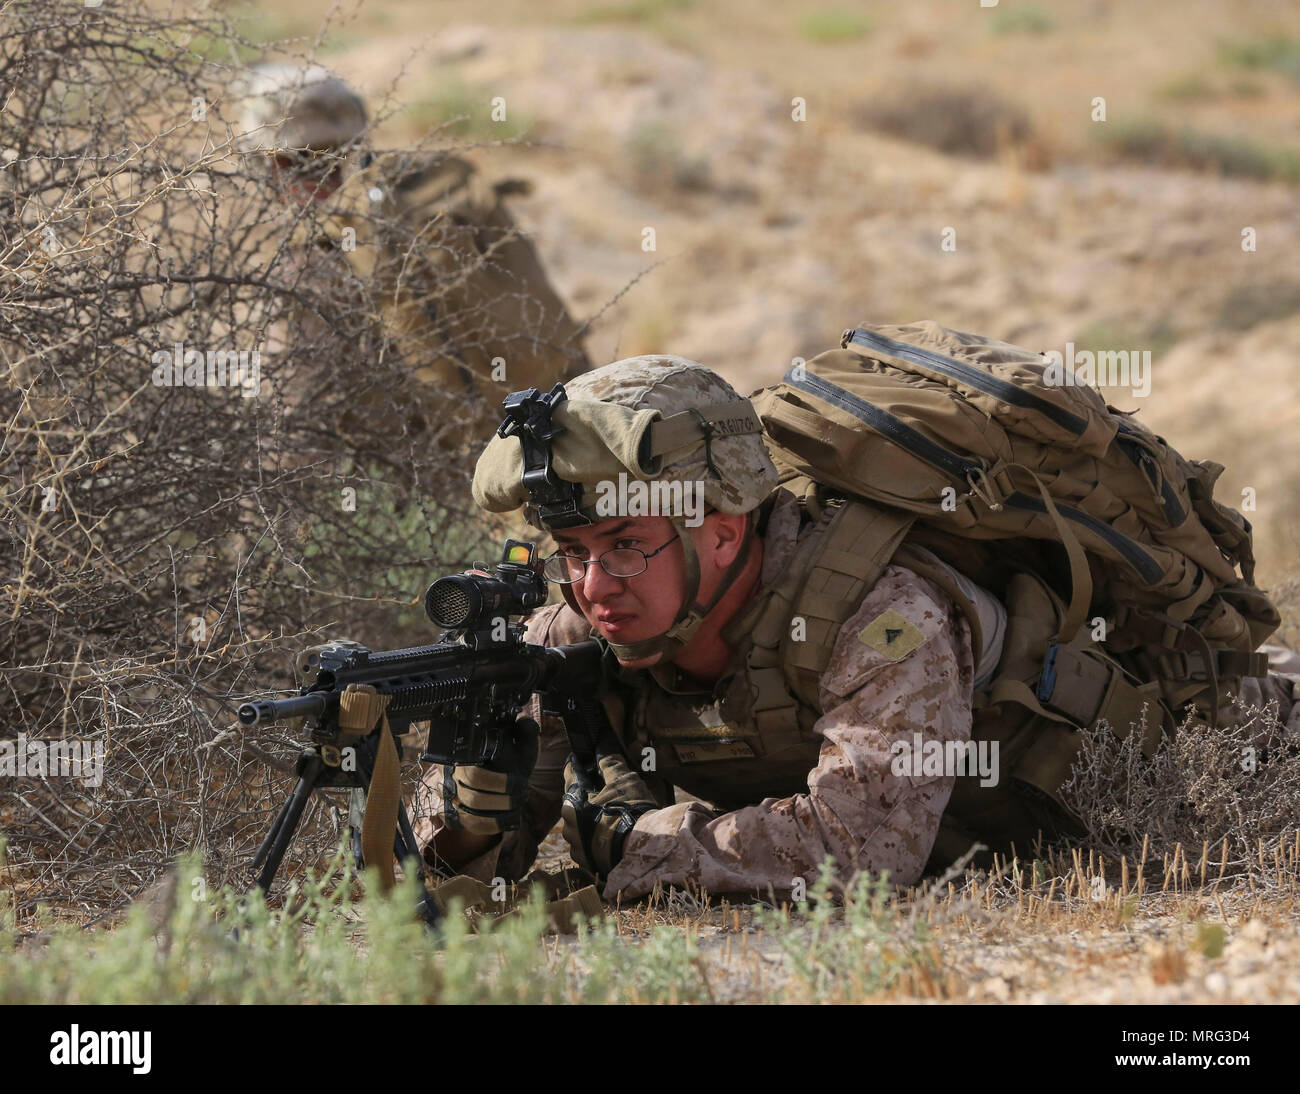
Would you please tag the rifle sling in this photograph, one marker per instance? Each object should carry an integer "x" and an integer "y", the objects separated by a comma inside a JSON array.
[{"x": 360, "y": 707}]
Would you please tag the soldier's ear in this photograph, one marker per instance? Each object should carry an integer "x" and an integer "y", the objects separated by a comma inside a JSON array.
[{"x": 725, "y": 533}]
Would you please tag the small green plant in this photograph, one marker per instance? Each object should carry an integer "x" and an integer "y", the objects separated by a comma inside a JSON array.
[
  {"x": 1189, "y": 87},
  {"x": 657, "y": 160},
  {"x": 1022, "y": 19},
  {"x": 468, "y": 112},
  {"x": 321, "y": 946},
  {"x": 633, "y": 11},
  {"x": 1246, "y": 306},
  {"x": 847, "y": 952},
  {"x": 1103, "y": 334},
  {"x": 1126, "y": 911},
  {"x": 662, "y": 968},
  {"x": 1148, "y": 140},
  {"x": 258, "y": 30},
  {"x": 1273, "y": 52},
  {"x": 1038, "y": 873},
  {"x": 833, "y": 26},
  {"x": 1210, "y": 939}
]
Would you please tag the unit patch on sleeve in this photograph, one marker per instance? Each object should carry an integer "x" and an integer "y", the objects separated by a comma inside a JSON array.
[{"x": 891, "y": 635}]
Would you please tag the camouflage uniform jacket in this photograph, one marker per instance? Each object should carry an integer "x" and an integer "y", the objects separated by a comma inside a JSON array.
[{"x": 853, "y": 807}]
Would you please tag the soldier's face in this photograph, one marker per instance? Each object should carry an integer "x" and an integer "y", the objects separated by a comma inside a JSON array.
[
  {"x": 628, "y": 609},
  {"x": 306, "y": 179}
]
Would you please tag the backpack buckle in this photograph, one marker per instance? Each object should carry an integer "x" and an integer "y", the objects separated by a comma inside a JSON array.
[{"x": 1047, "y": 681}]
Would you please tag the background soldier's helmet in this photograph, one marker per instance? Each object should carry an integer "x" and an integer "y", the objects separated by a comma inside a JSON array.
[
  {"x": 651, "y": 418},
  {"x": 298, "y": 108},
  {"x": 654, "y": 417}
]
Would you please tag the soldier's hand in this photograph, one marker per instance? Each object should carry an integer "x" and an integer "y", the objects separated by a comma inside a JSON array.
[
  {"x": 489, "y": 799},
  {"x": 597, "y": 821}
]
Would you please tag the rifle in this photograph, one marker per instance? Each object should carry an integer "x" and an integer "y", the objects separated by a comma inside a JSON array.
[{"x": 470, "y": 687}]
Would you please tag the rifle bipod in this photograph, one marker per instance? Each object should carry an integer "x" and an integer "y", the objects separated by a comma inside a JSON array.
[{"x": 314, "y": 773}]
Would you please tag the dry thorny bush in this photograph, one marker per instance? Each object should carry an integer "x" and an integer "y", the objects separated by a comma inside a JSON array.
[
  {"x": 1226, "y": 795},
  {"x": 169, "y": 548}
]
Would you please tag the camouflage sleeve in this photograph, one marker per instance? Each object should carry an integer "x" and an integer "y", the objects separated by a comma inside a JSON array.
[
  {"x": 858, "y": 808},
  {"x": 515, "y": 852}
]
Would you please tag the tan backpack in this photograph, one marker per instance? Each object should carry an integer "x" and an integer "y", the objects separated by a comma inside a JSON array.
[{"x": 1127, "y": 585}]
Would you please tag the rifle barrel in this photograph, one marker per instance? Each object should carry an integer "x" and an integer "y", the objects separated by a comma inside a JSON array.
[
  {"x": 275, "y": 710},
  {"x": 421, "y": 679}
]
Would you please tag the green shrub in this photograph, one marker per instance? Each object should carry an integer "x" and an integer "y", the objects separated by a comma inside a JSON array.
[
  {"x": 1103, "y": 334},
  {"x": 658, "y": 162},
  {"x": 1189, "y": 87},
  {"x": 466, "y": 111},
  {"x": 225, "y": 947},
  {"x": 1148, "y": 140},
  {"x": 1022, "y": 19},
  {"x": 633, "y": 11},
  {"x": 860, "y": 948},
  {"x": 832, "y": 26},
  {"x": 1246, "y": 306},
  {"x": 1273, "y": 52}
]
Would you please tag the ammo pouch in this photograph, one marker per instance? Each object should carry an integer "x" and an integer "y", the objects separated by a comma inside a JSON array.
[{"x": 1043, "y": 693}]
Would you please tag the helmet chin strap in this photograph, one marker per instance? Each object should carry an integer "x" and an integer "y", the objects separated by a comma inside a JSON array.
[{"x": 691, "y": 615}]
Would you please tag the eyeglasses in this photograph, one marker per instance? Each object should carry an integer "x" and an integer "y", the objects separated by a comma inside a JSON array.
[{"x": 619, "y": 562}]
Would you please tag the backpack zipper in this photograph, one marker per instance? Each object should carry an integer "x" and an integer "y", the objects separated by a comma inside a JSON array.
[
  {"x": 936, "y": 455},
  {"x": 885, "y": 424},
  {"x": 1134, "y": 446},
  {"x": 969, "y": 374}
]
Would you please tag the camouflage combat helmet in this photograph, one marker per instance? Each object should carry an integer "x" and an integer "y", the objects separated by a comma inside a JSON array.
[
  {"x": 295, "y": 108},
  {"x": 654, "y": 418}
]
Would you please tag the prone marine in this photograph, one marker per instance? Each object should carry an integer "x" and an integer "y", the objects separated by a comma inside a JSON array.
[{"x": 692, "y": 612}]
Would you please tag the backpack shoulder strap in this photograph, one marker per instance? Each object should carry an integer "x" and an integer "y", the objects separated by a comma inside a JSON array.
[{"x": 793, "y": 625}]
